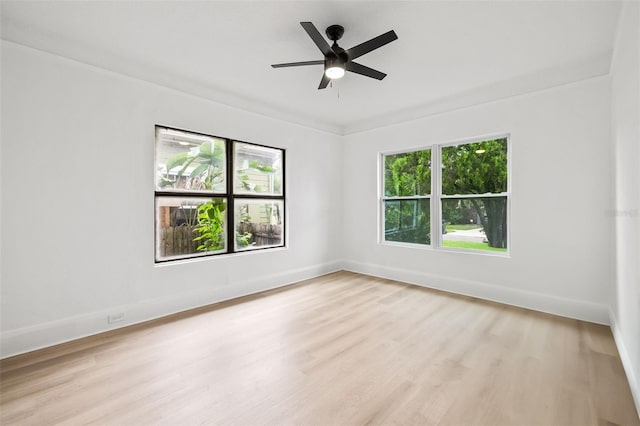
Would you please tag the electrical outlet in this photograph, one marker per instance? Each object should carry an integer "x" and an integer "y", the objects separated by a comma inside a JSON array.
[{"x": 115, "y": 317}]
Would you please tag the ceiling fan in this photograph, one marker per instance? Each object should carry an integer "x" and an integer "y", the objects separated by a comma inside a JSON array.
[{"x": 338, "y": 60}]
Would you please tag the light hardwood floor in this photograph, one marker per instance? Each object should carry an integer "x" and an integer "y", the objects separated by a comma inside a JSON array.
[{"x": 341, "y": 349}]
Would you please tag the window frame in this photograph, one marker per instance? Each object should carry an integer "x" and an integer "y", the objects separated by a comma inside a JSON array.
[
  {"x": 229, "y": 196},
  {"x": 437, "y": 196},
  {"x": 417, "y": 198}
]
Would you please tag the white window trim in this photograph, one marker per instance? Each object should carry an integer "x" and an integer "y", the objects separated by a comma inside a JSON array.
[{"x": 436, "y": 197}]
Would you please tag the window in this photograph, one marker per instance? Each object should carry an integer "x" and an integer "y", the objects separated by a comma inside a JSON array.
[
  {"x": 465, "y": 186},
  {"x": 216, "y": 195},
  {"x": 407, "y": 197}
]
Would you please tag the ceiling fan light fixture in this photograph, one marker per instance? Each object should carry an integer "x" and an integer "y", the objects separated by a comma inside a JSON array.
[
  {"x": 334, "y": 69},
  {"x": 335, "y": 72}
]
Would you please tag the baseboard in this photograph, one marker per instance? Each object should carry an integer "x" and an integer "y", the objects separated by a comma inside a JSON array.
[
  {"x": 27, "y": 339},
  {"x": 577, "y": 309},
  {"x": 626, "y": 361},
  {"x": 18, "y": 341}
]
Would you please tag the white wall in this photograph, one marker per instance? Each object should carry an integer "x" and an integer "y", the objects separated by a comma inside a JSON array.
[
  {"x": 625, "y": 83},
  {"x": 77, "y": 201},
  {"x": 561, "y": 230}
]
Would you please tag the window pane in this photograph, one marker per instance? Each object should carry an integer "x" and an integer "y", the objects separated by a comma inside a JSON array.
[
  {"x": 407, "y": 174},
  {"x": 189, "y": 226},
  {"x": 407, "y": 221},
  {"x": 475, "y": 223},
  {"x": 258, "y": 170},
  {"x": 189, "y": 162},
  {"x": 259, "y": 223},
  {"x": 475, "y": 168}
]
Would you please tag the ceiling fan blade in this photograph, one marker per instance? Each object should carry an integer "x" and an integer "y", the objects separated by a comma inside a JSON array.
[
  {"x": 374, "y": 43},
  {"x": 324, "y": 82},
  {"x": 297, "y": 64},
  {"x": 366, "y": 71},
  {"x": 317, "y": 38}
]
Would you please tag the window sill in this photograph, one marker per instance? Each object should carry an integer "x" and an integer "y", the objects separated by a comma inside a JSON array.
[
  {"x": 445, "y": 249},
  {"x": 173, "y": 262}
]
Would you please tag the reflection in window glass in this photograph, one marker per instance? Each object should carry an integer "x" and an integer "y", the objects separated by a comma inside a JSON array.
[
  {"x": 475, "y": 223},
  {"x": 187, "y": 226},
  {"x": 259, "y": 223},
  {"x": 189, "y": 162},
  {"x": 258, "y": 170},
  {"x": 407, "y": 221},
  {"x": 475, "y": 168},
  {"x": 407, "y": 174}
]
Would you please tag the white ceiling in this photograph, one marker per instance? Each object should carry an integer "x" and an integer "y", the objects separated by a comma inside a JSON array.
[{"x": 448, "y": 55}]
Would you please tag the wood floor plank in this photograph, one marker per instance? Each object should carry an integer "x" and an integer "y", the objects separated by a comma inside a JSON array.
[{"x": 344, "y": 349}]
